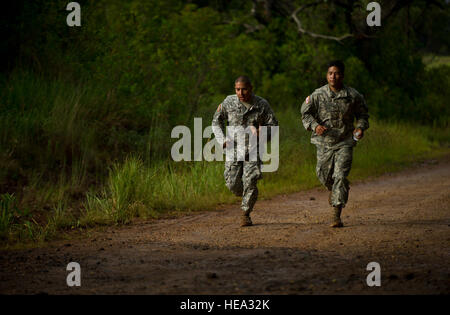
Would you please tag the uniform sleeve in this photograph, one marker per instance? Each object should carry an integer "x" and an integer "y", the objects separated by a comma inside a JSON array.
[
  {"x": 269, "y": 119},
  {"x": 309, "y": 113},
  {"x": 218, "y": 123},
  {"x": 361, "y": 113}
]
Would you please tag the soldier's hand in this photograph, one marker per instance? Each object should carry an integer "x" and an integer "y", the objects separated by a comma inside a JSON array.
[
  {"x": 358, "y": 133},
  {"x": 320, "y": 129},
  {"x": 254, "y": 130},
  {"x": 226, "y": 143}
]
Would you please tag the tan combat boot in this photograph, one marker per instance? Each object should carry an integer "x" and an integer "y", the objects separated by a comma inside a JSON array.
[
  {"x": 337, "y": 223},
  {"x": 246, "y": 220}
]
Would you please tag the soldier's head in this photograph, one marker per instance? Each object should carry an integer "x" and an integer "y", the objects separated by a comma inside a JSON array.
[
  {"x": 243, "y": 88},
  {"x": 335, "y": 74}
]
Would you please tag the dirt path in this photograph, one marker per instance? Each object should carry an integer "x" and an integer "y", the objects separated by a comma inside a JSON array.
[{"x": 401, "y": 221}]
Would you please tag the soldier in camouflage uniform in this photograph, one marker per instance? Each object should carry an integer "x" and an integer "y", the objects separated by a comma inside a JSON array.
[
  {"x": 243, "y": 109},
  {"x": 329, "y": 113}
]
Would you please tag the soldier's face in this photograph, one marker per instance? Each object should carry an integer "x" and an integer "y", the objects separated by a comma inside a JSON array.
[
  {"x": 243, "y": 91},
  {"x": 335, "y": 77}
]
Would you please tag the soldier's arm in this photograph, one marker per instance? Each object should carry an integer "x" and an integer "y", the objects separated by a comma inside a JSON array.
[
  {"x": 309, "y": 113},
  {"x": 361, "y": 113},
  {"x": 269, "y": 119},
  {"x": 218, "y": 123}
]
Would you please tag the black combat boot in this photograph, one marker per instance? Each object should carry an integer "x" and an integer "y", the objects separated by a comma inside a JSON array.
[{"x": 337, "y": 217}]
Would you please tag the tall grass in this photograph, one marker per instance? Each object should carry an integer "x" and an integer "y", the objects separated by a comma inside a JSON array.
[
  {"x": 135, "y": 189},
  {"x": 7, "y": 208},
  {"x": 70, "y": 159}
]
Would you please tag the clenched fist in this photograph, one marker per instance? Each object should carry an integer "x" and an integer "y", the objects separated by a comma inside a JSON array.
[{"x": 320, "y": 129}]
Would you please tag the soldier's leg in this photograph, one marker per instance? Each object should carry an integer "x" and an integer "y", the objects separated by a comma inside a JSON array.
[
  {"x": 342, "y": 165},
  {"x": 325, "y": 166},
  {"x": 233, "y": 177},
  {"x": 251, "y": 174}
]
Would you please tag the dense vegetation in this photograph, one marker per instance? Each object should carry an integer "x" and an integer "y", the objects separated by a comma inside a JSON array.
[{"x": 86, "y": 112}]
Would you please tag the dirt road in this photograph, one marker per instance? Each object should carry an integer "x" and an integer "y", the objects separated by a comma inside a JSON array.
[{"x": 401, "y": 221}]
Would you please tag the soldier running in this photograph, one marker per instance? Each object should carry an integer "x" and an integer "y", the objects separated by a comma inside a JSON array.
[
  {"x": 329, "y": 113},
  {"x": 246, "y": 110}
]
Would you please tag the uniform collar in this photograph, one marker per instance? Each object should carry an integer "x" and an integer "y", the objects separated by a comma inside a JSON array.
[
  {"x": 252, "y": 102},
  {"x": 342, "y": 92}
]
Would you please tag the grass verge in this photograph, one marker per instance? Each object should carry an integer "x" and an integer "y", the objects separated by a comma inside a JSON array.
[{"x": 136, "y": 189}]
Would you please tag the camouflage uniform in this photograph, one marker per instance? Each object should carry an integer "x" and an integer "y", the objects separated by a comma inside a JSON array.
[
  {"x": 241, "y": 176},
  {"x": 337, "y": 112}
]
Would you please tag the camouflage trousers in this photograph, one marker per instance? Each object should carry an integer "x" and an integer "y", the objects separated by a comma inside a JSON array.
[
  {"x": 333, "y": 167},
  {"x": 241, "y": 178}
]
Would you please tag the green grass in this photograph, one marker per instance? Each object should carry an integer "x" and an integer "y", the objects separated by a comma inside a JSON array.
[
  {"x": 63, "y": 151},
  {"x": 7, "y": 211},
  {"x": 136, "y": 190},
  {"x": 434, "y": 61}
]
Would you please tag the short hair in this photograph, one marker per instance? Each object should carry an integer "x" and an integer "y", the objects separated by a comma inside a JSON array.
[
  {"x": 338, "y": 64},
  {"x": 243, "y": 79}
]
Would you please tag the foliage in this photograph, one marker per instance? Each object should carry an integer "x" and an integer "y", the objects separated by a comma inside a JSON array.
[{"x": 86, "y": 113}]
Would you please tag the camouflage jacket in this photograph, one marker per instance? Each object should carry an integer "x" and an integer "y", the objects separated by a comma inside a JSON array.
[
  {"x": 337, "y": 112},
  {"x": 237, "y": 114}
]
